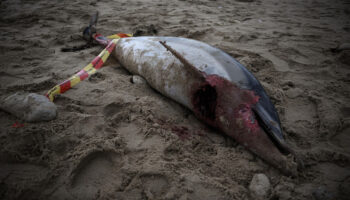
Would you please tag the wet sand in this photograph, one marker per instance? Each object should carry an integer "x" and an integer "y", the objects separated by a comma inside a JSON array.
[{"x": 113, "y": 139}]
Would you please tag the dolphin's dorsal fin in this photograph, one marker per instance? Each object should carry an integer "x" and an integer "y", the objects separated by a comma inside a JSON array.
[{"x": 192, "y": 69}]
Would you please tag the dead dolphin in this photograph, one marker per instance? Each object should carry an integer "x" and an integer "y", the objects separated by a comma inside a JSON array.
[{"x": 217, "y": 88}]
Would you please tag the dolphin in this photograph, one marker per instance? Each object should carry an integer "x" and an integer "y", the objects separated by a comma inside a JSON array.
[{"x": 216, "y": 87}]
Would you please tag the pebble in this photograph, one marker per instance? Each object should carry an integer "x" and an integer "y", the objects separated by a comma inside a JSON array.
[
  {"x": 29, "y": 107},
  {"x": 259, "y": 187},
  {"x": 288, "y": 83},
  {"x": 137, "y": 80},
  {"x": 293, "y": 93}
]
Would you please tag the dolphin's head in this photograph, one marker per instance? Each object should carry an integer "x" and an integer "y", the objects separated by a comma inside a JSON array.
[
  {"x": 233, "y": 110},
  {"x": 226, "y": 106}
]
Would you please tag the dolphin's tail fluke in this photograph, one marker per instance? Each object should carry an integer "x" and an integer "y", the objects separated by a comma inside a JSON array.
[{"x": 90, "y": 30}]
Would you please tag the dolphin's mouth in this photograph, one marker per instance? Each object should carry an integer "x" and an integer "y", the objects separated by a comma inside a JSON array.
[{"x": 270, "y": 128}]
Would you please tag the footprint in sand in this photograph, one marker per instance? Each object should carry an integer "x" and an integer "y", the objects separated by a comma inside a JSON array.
[
  {"x": 96, "y": 174},
  {"x": 23, "y": 179},
  {"x": 342, "y": 139},
  {"x": 112, "y": 109},
  {"x": 97, "y": 77},
  {"x": 7, "y": 78},
  {"x": 135, "y": 140},
  {"x": 154, "y": 185},
  {"x": 197, "y": 189}
]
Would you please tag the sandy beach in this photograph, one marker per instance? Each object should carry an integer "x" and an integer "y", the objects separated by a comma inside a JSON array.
[{"x": 113, "y": 139}]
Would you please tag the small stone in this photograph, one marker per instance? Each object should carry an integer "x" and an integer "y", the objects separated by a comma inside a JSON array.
[
  {"x": 259, "y": 187},
  {"x": 137, "y": 80},
  {"x": 29, "y": 107},
  {"x": 288, "y": 83},
  {"x": 293, "y": 93},
  {"x": 237, "y": 21}
]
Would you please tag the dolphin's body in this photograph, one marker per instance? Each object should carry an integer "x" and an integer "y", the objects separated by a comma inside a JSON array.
[{"x": 217, "y": 88}]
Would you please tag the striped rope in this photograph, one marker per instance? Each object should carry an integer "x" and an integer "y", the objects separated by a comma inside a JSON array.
[
  {"x": 105, "y": 40},
  {"x": 89, "y": 69}
]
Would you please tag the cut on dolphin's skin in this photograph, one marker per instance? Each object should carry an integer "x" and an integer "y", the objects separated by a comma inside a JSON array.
[{"x": 217, "y": 88}]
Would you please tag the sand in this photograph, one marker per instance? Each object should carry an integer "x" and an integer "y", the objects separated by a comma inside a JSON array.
[{"x": 113, "y": 139}]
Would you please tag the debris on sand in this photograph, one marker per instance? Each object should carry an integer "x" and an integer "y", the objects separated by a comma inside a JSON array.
[
  {"x": 137, "y": 80},
  {"x": 29, "y": 107},
  {"x": 259, "y": 187}
]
